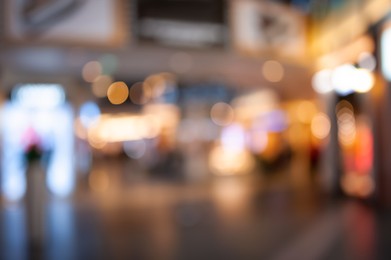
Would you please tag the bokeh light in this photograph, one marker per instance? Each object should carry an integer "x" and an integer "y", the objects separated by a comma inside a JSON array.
[
  {"x": 91, "y": 71},
  {"x": 222, "y": 114},
  {"x": 346, "y": 123},
  {"x": 273, "y": 71},
  {"x": 140, "y": 93},
  {"x": 226, "y": 162},
  {"x": 158, "y": 84},
  {"x": 118, "y": 92},
  {"x": 123, "y": 127},
  {"x": 385, "y": 53},
  {"x": 342, "y": 79},
  {"x": 89, "y": 113},
  {"x": 100, "y": 85},
  {"x": 357, "y": 185},
  {"x": 135, "y": 149},
  {"x": 320, "y": 126},
  {"x": 364, "y": 81},
  {"x": 95, "y": 140},
  {"x": 343, "y": 104},
  {"x": 109, "y": 63},
  {"x": 150, "y": 125},
  {"x": 321, "y": 81},
  {"x": 367, "y": 61},
  {"x": 257, "y": 141},
  {"x": 233, "y": 137}
]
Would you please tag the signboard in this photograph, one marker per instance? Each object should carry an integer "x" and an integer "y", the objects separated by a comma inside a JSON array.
[
  {"x": 259, "y": 27},
  {"x": 192, "y": 23},
  {"x": 89, "y": 22}
]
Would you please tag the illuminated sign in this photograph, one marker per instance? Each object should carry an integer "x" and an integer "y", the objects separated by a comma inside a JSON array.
[
  {"x": 42, "y": 96},
  {"x": 37, "y": 114},
  {"x": 386, "y": 53}
]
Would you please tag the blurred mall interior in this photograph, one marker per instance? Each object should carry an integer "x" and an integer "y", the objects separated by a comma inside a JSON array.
[{"x": 195, "y": 129}]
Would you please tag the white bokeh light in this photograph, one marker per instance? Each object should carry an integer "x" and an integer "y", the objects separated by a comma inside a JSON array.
[
  {"x": 321, "y": 81},
  {"x": 343, "y": 78},
  {"x": 386, "y": 53}
]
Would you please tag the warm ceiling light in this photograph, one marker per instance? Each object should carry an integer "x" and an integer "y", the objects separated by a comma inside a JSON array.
[{"x": 118, "y": 93}]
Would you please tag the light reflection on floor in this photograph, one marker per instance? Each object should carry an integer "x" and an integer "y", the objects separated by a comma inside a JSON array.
[{"x": 130, "y": 216}]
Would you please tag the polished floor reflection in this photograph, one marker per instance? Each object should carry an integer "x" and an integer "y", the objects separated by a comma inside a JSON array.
[{"x": 119, "y": 212}]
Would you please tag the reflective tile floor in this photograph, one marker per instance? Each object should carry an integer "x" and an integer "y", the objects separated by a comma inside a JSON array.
[{"x": 114, "y": 216}]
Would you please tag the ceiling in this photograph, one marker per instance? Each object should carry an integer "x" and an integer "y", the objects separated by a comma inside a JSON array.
[{"x": 26, "y": 61}]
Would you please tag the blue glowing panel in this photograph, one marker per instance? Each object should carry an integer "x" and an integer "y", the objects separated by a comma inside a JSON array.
[
  {"x": 89, "y": 113},
  {"x": 26, "y": 124}
]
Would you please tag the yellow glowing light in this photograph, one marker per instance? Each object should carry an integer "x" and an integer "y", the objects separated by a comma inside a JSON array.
[
  {"x": 297, "y": 138},
  {"x": 357, "y": 185},
  {"x": 150, "y": 126},
  {"x": 140, "y": 93},
  {"x": 91, "y": 71},
  {"x": 222, "y": 114},
  {"x": 344, "y": 104},
  {"x": 227, "y": 162},
  {"x": 305, "y": 111},
  {"x": 273, "y": 71},
  {"x": 346, "y": 123},
  {"x": 99, "y": 181},
  {"x": 250, "y": 106},
  {"x": 364, "y": 81},
  {"x": 95, "y": 141},
  {"x": 118, "y": 93},
  {"x": 165, "y": 115},
  {"x": 120, "y": 128},
  {"x": 320, "y": 126},
  {"x": 365, "y": 186}
]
